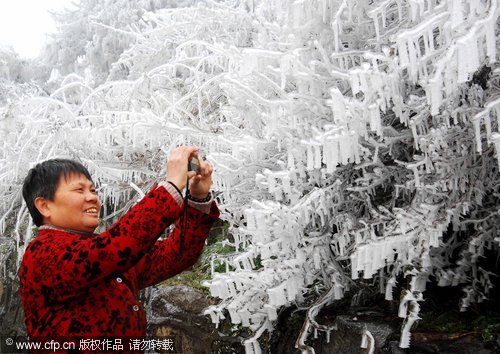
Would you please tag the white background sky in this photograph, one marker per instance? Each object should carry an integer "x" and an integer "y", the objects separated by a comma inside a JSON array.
[{"x": 25, "y": 23}]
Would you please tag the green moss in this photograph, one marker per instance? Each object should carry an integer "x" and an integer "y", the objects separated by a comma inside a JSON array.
[
  {"x": 214, "y": 249},
  {"x": 201, "y": 270},
  {"x": 216, "y": 246},
  {"x": 192, "y": 278},
  {"x": 446, "y": 322},
  {"x": 487, "y": 327}
]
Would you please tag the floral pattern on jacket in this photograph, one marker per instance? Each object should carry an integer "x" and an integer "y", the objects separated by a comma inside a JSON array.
[{"x": 79, "y": 285}]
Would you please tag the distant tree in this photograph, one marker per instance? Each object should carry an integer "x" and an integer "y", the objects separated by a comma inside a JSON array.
[{"x": 92, "y": 34}]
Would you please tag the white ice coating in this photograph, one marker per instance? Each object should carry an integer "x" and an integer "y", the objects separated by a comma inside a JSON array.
[
  {"x": 294, "y": 103},
  {"x": 368, "y": 342}
]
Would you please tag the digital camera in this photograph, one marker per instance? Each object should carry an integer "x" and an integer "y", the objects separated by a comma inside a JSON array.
[{"x": 194, "y": 165}]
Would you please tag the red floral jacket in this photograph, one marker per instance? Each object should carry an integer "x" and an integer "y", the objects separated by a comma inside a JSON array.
[{"x": 76, "y": 285}]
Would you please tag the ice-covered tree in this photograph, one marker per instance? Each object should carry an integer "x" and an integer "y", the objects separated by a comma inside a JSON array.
[
  {"x": 16, "y": 77},
  {"x": 350, "y": 139},
  {"x": 92, "y": 35}
]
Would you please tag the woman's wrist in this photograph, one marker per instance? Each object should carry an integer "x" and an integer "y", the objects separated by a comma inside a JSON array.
[
  {"x": 200, "y": 198},
  {"x": 175, "y": 186}
]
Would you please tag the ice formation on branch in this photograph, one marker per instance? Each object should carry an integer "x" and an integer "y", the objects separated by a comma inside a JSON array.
[
  {"x": 368, "y": 342},
  {"x": 351, "y": 139}
]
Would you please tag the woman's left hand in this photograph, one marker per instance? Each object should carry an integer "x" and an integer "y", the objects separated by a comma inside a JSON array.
[{"x": 199, "y": 185}]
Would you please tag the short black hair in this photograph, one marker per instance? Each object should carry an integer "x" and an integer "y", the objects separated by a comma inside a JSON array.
[{"x": 43, "y": 180}]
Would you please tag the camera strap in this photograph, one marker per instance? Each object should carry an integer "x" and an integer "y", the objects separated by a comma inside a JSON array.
[{"x": 184, "y": 220}]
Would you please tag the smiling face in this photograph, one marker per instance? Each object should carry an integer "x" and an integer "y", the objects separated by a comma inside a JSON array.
[{"x": 75, "y": 205}]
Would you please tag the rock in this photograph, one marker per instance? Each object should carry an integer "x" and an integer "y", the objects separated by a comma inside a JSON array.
[
  {"x": 432, "y": 343},
  {"x": 11, "y": 312},
  {"x": 1, "y": 289},
  {"x": 347, "y": 337},
  {"x": 349, "y": 328},
  {"x": 177, "y": 311},
  {"x": 185, "y": 298}
]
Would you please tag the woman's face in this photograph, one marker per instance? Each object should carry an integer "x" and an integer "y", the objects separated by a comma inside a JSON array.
[{"x": 75, "y": 205}]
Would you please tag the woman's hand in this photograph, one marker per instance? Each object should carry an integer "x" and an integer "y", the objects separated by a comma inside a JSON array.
[
  {"x": 177, "y": 165},
  {"x": 199, "y": 185}
]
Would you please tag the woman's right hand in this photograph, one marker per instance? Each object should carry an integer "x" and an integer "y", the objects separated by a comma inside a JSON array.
[{"x": 177, "y": 165}]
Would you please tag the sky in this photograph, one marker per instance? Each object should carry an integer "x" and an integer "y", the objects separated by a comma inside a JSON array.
[{"x": 25, "y": 23}]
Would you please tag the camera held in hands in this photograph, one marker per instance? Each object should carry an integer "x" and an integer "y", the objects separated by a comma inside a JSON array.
[{"x": 194, "y": 165}]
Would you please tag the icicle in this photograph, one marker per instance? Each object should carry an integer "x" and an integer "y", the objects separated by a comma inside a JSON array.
[
  {"x": 418, "y": 283},
  {"x": 363, "y": 81},
  {"x": 355, "y": 146},
  {"x": 456, "y": 13},
  {"x": 345, "y": 149},
  {"x": 287, "y": 189},
  {"x": 375, "y": 122},
  {"x": 245, "y": 317},
  {"x": 333, "y": 151},
  {"x": 404, "y": 304},
  {"x": 388, "y": 288},
  {"x": 214, "y": 317},
  {"x": 368, "y": 268},
  {"x": 310, "y": 158},
  {"x": 272, "y": 313},
  {"x": 250, "y": 218},
  {"x": 487, "y": 124},
  {"x": 414, "y": 132},
  {"x": 317, "y": 156},
  {"x": 403, "y": 52},
  {"x": 408, "y": 302},
  {"x": 336, "y": 36},
  {"x": 338, "y": 291},
  {"x": 368, "y": 342},
  {"x": 235, "y": 318},
  {"x": 462, "y": 61},
  {"x": 434, "y": 92},
  {"x": 139, "y": 191},
  {"x": 443, "y": 279},
  {"x": 377, "y": 29},
  {"x": 473, "y": 58},
  {"x": 271, "y": 182},
  {"x": 405, "y": 333},
  {"x": 355, "y": 83},
  {"x": 477, "y": 132},
  {"x": 490, "y": 41},
  {"x": 212, "y": 267},
  {"x": 413, "y": 66},
  {"x": 223, "y": 290},
  {"x": 291, "y": 161},
  {"x": 276, "y": 296},
  {"x": 232, "y": 289},
  {"x": 265, "y": 252},
  {"x": 354, "y": 266},
  {"x": 251, "y": 347},
  {"x": 434, "y": 239},
  {"x": 291, "y": 289},
  {"x": 495, "y": 138},
  {"x": 317, "y": 258},
  {"x": 215, "y": 314},
  {"x": 337, "y": 102}
]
